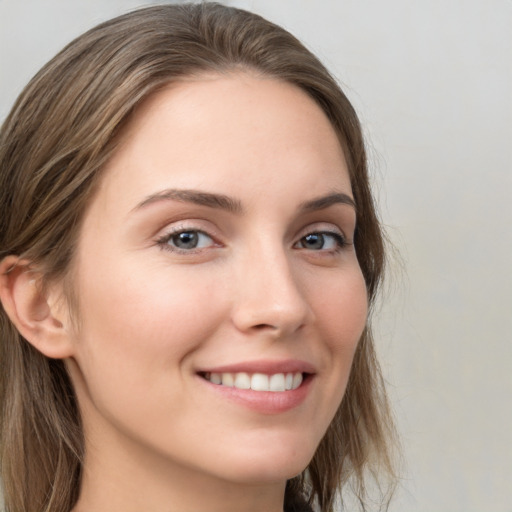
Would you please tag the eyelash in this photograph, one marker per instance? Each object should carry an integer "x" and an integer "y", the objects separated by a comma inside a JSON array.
[
  {"x": 340, "y": 241},
  {"x": 164, "y": 240}
]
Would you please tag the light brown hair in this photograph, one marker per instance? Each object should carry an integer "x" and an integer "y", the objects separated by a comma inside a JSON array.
[{"x": 53, "y": 145}]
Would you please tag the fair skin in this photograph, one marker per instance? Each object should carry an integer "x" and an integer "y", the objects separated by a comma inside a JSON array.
[{"x": 219, "y": 242}]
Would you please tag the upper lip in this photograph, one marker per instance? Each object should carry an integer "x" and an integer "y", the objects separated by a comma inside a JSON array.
[{"x": 269, "y": 367}]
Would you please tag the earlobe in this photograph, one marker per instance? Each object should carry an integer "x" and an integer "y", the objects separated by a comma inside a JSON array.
[{"x": 43, "y": 322}]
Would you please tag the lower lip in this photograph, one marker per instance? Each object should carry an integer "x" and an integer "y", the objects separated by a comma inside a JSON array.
[{"x": 264, "y": 402}]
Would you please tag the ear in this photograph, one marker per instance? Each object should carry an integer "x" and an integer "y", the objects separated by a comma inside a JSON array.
[{"x": 41, "y": 316}]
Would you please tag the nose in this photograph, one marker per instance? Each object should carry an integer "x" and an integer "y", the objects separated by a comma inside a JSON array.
[{"x": 269, "y": 297}]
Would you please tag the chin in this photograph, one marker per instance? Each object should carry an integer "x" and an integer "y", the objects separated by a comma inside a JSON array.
[{"x": 270, "y": 465}]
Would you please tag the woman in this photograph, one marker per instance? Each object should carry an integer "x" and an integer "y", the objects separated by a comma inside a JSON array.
[{"x": 189, "y": 251}]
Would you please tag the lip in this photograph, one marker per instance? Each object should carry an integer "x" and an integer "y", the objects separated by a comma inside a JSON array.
[
  {"x": 267, "y": 366},
  {"x": 263, "y": 402}
]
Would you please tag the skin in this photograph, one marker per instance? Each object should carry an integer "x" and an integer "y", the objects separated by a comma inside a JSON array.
[{"x": 151, "y": 316}]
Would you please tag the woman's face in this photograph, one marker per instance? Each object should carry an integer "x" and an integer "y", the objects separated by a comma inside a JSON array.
[{"x": 217, "y": 255}]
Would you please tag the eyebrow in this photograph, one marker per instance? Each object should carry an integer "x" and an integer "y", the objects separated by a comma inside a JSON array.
[
  {"x": 231, "y": 205},
  {"x": 323, "y": 202},
  {"x": 208, "y": 199}
]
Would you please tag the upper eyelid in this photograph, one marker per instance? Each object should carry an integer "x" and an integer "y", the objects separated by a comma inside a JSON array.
[
  {"x": 167, "y": 233},
  {"x": 187, "y": 225},
  {"x": 163, "y": 242},
  {"x": 322, "y": 227}
]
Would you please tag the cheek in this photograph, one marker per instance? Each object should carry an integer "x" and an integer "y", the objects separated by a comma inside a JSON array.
[
  {"x": 341, "y": 309},
  {"x": 341, "y": 313},
  {"x": 140, "y": 322},
  {"x": 137, "y": 331}
]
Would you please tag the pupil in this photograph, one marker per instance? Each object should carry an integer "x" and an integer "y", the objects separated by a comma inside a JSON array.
[
  {"x": 314, "y": 241},
  {"x": 186, "y": 240}
]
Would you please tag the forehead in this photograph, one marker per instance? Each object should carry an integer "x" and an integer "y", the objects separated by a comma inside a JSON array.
[{"x": 212, "y": 131}]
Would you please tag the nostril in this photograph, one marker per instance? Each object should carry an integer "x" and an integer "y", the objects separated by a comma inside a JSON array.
[{"x": 265, "y": 327}]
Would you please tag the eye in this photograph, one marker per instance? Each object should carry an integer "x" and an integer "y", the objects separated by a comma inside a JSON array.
[
  {"x": 322, "y": 241},
  {"x": 186, "y": 240}
]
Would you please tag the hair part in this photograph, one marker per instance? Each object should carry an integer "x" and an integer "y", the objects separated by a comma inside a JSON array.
[{"x": 62, "y": 130}]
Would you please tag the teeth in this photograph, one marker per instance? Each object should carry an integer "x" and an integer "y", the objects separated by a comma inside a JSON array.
[
  {"x": 227, "y": 380},
  {"x": 259, "y": 382},
  {"x": 216, "y": 378},
  {"x": 297, "y": 380},
  {"x": 277, "y": 382},
  {"x": 242, "y": 381}
]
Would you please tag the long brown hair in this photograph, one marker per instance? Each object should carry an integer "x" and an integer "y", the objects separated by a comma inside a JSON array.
[{"x": 53, "y": 146}]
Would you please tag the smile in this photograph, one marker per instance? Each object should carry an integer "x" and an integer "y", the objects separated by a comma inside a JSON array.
[{"x": 277, "y": 382}]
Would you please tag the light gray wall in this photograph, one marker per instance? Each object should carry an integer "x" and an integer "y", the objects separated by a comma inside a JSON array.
[{"x": 432, "y": 81}]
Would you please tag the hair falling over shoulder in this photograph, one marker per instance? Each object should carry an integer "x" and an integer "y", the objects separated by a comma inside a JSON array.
[{"x": 53, "y": 145}]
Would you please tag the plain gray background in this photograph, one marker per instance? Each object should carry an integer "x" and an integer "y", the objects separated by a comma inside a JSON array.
[{"x": 432, "y": 82}]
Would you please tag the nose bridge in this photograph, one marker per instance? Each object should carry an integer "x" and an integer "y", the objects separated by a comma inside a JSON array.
[{"x": 269, "y": 295}]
